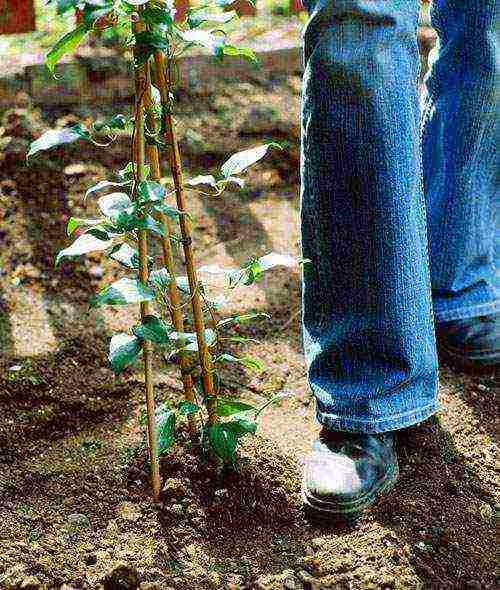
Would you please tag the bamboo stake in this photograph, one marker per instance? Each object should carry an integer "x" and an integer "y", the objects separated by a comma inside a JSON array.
[
  {"x": 153, "y": 157},
  {"x": 139, "y": 157},
  {"x": 164, "y": 82}
]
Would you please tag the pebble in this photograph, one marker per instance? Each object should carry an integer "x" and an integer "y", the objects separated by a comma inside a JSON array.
[
  {"x": 174, "y": 487},
  {"x": 30, "y": 583},
  {"x": 150, "y": 586},
  {"x": 129, "y": 511},
  {"x": 123, "y": 577},
  {"x": 91, "y": 559}
]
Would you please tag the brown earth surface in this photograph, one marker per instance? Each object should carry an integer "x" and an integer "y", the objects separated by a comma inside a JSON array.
[{"x": 74, "y": 501}]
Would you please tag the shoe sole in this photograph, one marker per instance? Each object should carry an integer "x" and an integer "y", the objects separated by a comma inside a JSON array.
[
  {"x": 479, "y": 364},
  {"x": 348, "y": 510}
]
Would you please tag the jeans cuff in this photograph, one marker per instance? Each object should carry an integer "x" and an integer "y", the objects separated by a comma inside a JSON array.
[
  {"x": 464, "y": 313},
  {"x": 397, "y": 422}
]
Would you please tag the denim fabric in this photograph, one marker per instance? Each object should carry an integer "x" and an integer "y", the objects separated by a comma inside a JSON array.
[
  {"x": 367, "y": 309},
  {"x": 460, "y": 158}
]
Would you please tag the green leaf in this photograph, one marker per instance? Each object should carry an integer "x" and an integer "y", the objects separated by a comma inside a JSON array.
[
  {"x": 246, "y": 361},
  {"x": 244, "y": 52},
  {"x": 198, "y": 16},
  {"x": 57, "y": 137},
  {"x": 148, "y": 43},
  {"x": 274, "y": 259},
  {"x": 153, "y": 329},
  {"x": 170, "y": 212},
  {"x": 223, "y": 441},
  {"x": 126, "y": 291},
  {"x": 128, "y": 221},
  {"x": 241, "y": 426},
  {"x": 241, "y": 319},
  {"x": 149, "y": 191},
  {"x": 104, "y": 185},
  {"x": 113, "y": 204},
  {"x": 66, "y": 44},
  {"x": 165, "y": 424},
  {"x": 160, "y": 278},
  {"x": 240, "y": 161},
  {"x": 228, "y": 407},
  {"x": 123, "y": 350},
  {"x": 75, "y": 223},
  {"x": 197, "y": 180},
  {"x": 204, "y": 38},
  {"x": 125, "y": 255},
  {"x": 156, "y": 15},
  {"x": 83, "y": 245},
  {"x": 188, "y": 342},
  {"x": 127, "y": 173},
  {"x": 187, "y": 408}
]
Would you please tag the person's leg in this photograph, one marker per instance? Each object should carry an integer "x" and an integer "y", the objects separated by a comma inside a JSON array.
[
  {"x": 460, "y": 158},
  {"x": 368, "y": 329}
]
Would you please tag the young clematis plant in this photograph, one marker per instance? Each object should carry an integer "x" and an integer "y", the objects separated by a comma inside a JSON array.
[{"x": 136, "y": 208}]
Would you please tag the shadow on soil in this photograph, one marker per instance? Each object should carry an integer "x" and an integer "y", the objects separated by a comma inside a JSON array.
[{"x": 442, "y": 508}]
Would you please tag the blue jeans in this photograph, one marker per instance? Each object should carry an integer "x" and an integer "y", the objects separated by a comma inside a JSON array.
[{"x": 398, "y": 195}]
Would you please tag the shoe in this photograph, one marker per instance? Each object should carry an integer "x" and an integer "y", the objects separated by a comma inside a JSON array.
[
  {"x": 473, "y": 343},
  {"x": 346, "y": 472}
]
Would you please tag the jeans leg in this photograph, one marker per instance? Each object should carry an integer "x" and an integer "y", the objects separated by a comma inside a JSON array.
[
  {"x": 460, "y": 159},
  {"x": 367, "y": 319}
]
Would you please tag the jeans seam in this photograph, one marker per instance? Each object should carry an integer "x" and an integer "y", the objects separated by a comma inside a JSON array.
[
  {"x": 452, "y": 313},
  {"x": 385, "y": 419}
]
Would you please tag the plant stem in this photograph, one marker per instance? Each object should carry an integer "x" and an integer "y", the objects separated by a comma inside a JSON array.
[
  {"x": 168, "y": 261},
  {"x": 139, "y": 157},
  {"x": 163, "y": 80}
]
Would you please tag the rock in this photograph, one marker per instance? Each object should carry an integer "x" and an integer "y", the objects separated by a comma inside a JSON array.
[
  {"x": 78, "y": 521},
  {"x": 76, "y": 170},
  {"x": 123, "y": 577},
  {"x": 214, "y": 580},
  {"x": 30, "y": 583},
  {"x": 129, "y": 511},
  {"x": 150, "y": 586},
  {"x": 91, "y": 559},
  {"x": 174, "y": 487},
  {"x": 473, "y": 585},
  {"x": 284, "y": 581}
]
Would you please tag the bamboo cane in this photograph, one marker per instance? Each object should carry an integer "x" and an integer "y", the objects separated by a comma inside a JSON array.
[
  {"x": 164, "y": 82},
  {"x": 168, "y": 260},
  {"x": 139, "y": 157}
]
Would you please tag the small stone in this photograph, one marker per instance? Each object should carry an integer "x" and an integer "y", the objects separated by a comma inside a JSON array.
[
  {"x": 150, "y": 586},
  {"x": 91, "y": 559},
  {"x": 78, "y": 521},
  {"x": 75, "y": 170},
  {"x": 214, "y": 580},
  {"x": 123, "y": 577},
  {"x": 30, "y": 583},
  {"x": 129, "y": 511},
  {"x": 318, "y": 542},
  {"x": 174, "y": 487}
]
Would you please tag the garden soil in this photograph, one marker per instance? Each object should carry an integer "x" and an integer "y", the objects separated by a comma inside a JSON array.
[{"x": 75, "y": 505}]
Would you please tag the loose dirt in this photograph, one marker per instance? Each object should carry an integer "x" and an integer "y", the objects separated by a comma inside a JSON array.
[{"x": 74, "y": 500}]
